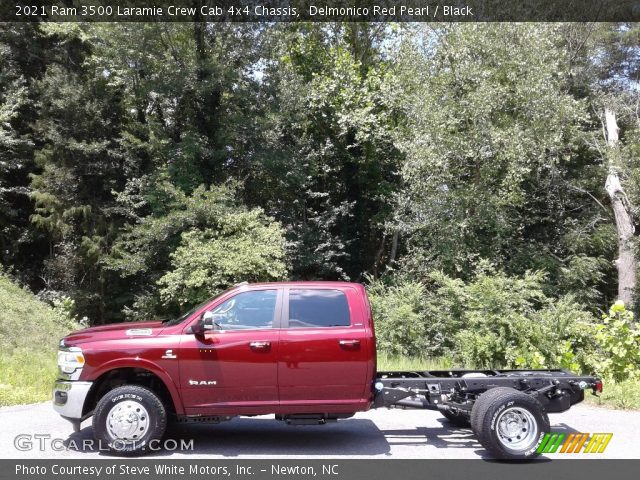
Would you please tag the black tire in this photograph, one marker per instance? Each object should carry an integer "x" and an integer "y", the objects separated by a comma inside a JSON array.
[
  {"x": 456, "y": 419},
  {"x": 151, "y": 414},
  {"x": 496, "y": 405}
]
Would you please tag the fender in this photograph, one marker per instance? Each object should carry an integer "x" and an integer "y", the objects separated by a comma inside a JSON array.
[{"x": 147, "y": 365}]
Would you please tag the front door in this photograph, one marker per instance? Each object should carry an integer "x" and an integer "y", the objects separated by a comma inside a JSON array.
[{"x": 234, "y": 366}]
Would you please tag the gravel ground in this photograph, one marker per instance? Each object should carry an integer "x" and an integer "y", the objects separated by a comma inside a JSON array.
[{"x": 375, "y": 434}]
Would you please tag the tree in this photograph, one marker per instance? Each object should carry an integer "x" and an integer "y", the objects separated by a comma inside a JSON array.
[
  {"x": 25, "y": 53},
  {"x": 191, "y": 92},
  {"x": 117, "y": 121},
  {"x": 626, "y": 261},
  {"x": 496, "y": 157},
  {"x": 605, "y": 62},
  {"x": 135, "y": 158},
  {"x": 81, "y": 162},
  {"x": 194, "y": 246},
  {"x": 327, "y": 165},
  {"x": 619, "y": 71},
  {"x": 245, "y": 246}
]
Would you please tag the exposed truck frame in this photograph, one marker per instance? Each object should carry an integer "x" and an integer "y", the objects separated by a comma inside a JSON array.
[
  {"x": 476, "y": 399},
  {"x": 506, "y": 409},
  {"x": 456, "y": 391}
]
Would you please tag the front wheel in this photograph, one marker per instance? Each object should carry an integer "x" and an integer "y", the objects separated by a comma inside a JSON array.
[
  {"x": 128, "y": 419},
  {"x": 509, "y": 424}
]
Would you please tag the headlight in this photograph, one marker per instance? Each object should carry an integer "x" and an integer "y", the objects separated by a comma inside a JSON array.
[{"x": 70, "y": 359}]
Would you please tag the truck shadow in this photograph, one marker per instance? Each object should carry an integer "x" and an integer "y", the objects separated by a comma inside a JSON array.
[
  {"x": 446, "y": 436},
  {"x": 562, "y": 428},
  {"x": 257, "y": 437},
  {"x": 262, "y": 436}
]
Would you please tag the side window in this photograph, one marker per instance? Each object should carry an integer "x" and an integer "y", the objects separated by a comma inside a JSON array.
[
  {"x": 318, "y": 308},
  {"x": 247, "y": 310}
]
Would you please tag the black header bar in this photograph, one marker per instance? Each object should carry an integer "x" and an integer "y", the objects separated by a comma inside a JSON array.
[{"x": 320, "y": 10}]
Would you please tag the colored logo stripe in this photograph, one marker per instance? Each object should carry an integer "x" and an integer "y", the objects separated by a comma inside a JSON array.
[
  {"x": 571, "y": 441},
  {"x": 580, "y": 439},
  {"x": 551, "y": 444},
  {"x": 574, "y": 442},
  {"x": 544, "y": 442},
  {"x": 608, "y": 437},
  {"x": 598, "y": 443}
]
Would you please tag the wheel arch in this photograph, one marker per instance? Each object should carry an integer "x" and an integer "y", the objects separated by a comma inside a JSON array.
[{"x": 112, "y": 375}]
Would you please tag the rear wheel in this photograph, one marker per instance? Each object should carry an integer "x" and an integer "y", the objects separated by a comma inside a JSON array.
[
  {"x": 127, "y": 419},
  {"x": 509, "y": 424},
  {"x": 456, "y": 419}
]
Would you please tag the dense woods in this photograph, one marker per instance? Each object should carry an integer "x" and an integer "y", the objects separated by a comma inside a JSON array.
[{"x": 480, "y": 178}]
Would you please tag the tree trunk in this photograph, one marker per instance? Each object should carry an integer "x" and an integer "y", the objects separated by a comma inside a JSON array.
[
  {"x": 394, "y": 247},
  {"x": 626, "y": 261},
  {"x": 378, "y": 259}
]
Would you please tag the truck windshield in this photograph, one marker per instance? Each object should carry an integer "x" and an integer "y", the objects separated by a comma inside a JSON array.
[{"x": 184, "y": 316}]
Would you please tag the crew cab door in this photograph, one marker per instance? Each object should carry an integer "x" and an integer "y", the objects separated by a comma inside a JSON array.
[
  {"x": 234, "y": 366},
  {"x": 324, "y": 354}
]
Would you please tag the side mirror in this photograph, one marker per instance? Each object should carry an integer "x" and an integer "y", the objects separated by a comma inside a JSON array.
[
  {"x": 207, "y": 323},
  {"x": 207, "y": 320},
  {"x": 197, "y": 329}
]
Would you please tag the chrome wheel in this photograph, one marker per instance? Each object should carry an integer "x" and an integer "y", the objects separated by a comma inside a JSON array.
[
  {"x": 517, "y": 429},
  {"x": 127, "y": 421}
]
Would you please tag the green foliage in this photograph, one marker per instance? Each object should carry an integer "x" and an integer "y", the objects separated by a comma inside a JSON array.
[
  {"x": 328, "y": 166},
  {"x": 388, "y": 362},
  {"x": 397, "y": 310},
  {"x": 64, "y": 309},
  {"x": 498, "y": 321},
  {"x": 624, "y": 395},
  {"x": 22, "y": 60},
  {"x": 194, "y": 246},
  {"x": 492, "y": 321},
  {"x": 493, "y": 140},
  {"x": 243, "y": 247},
  {"x": 619, "y": 339},
  {"x": 143, "y": 167},
  {"x": 569, "y": 340},
  {"x": 29, "y": 335},
  {"x": 145, "y": 246},
  {"x": 495, "y": 320}
]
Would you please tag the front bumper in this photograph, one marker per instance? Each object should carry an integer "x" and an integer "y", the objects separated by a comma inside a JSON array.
[{"x": 69, "y": 397}]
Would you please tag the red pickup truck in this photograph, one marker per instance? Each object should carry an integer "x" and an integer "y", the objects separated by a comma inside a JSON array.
[{"x": 304, "y": 351}]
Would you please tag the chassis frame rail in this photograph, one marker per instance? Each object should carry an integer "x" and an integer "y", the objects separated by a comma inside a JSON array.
[{"x": 457, "y": 390}]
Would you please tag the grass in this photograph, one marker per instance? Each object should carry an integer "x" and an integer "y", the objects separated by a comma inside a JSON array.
[
  {"x": 388, "y": 362},
  {"x": 623, "y": 395},
  {"x": 29, "y": 334},
  {"x": 27, "y": 378}
]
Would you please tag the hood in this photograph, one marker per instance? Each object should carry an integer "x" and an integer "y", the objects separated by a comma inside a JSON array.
[{"x": 114, "y": 331}]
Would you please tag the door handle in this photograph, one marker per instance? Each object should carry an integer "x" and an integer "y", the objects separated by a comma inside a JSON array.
[
  {"x": 349, "y": 343},
  {"x": 260, "y": 345}
]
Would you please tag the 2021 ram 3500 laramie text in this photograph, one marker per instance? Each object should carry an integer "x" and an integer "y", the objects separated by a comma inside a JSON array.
[{"x": 304, "y": 351}]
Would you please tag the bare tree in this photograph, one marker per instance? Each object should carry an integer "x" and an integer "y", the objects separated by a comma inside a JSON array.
[{"x": 626, "y": 261}]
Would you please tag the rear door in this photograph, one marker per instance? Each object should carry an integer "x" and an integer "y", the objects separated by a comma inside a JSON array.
[{"x": 323, "y": 356}]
